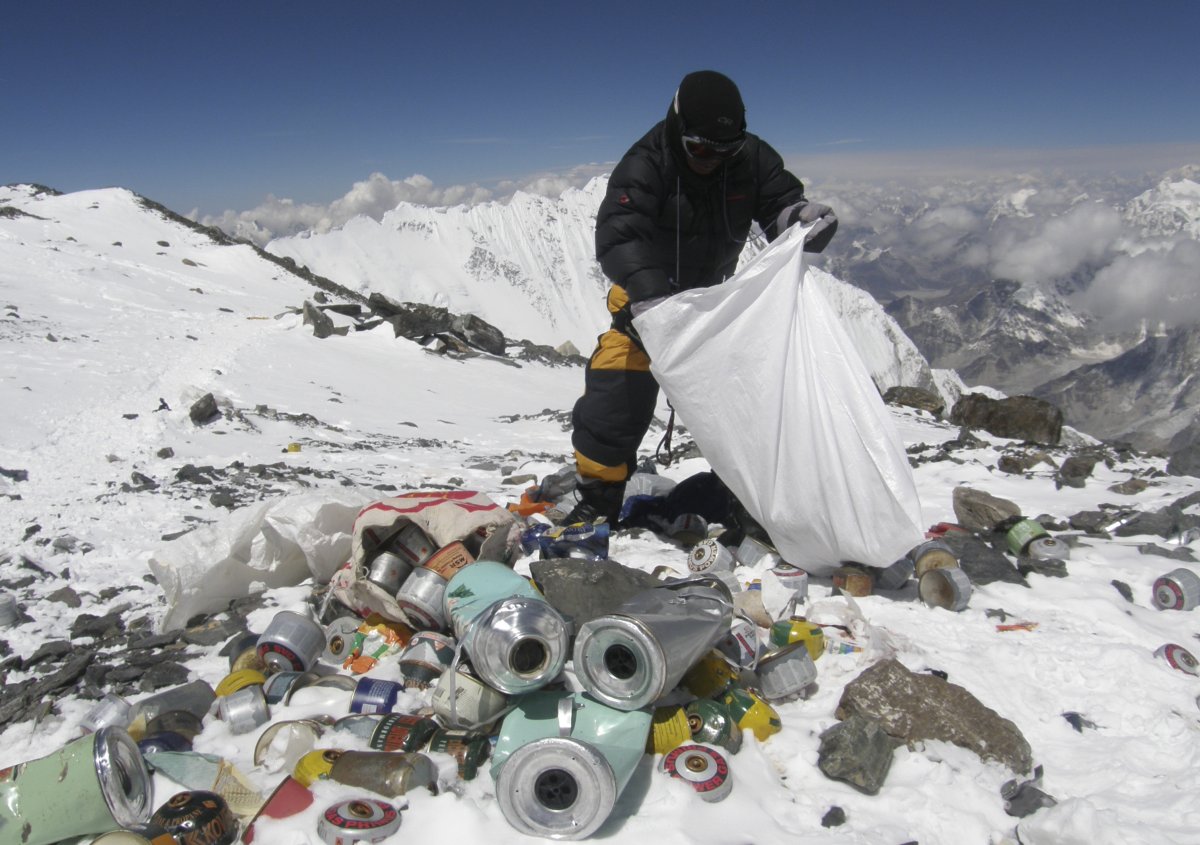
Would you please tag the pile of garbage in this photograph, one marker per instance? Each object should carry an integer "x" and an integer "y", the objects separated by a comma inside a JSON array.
[{"x": 428, "y": 643}]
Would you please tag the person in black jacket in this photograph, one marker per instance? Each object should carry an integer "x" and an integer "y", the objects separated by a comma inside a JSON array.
[{"x": 676, "y": 216}]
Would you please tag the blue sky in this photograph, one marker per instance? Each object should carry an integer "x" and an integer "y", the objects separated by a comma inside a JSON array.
[{"x": 213, "y": 106}]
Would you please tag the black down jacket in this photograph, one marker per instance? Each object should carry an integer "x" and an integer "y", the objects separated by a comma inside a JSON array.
[{"x": 662, "y": 228}]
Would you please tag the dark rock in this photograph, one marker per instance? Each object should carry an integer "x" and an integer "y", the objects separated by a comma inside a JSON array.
[
  {"x": 982, "y": 563},
  {"x": 976, "y": 510},
  {"x": 15, "y": 474},
  {"x": 98, "y": 627},
  {"x": 125, "y": 673},
  {"x": 1048, "y": 568},
  {"x": 1078, "y": 721},
  {"x": 213, "y": 631},
  {"x": 156, "y": 641},
  {"x": 1179, "y": 553},
  {"x": 1124, "y": 589},
  {"x": 223, "y": 499},
  {"x": 318, "y": 319},
  {"x": 914, "y": 707},
  {"x": 1166, "y": 523},
  {"x": 165, "y": 452},
  {"x": 584, "y": 590},
  {"x": 53, "y": 650},
  {"x": 1075, "y": 470},
  {"x": 915, "y": 397},
  {"x": 142, "y": 482},
  {"x": 1185, "y": 461},
  {"x": 415, "y": 321},
  {"x": 204, "y": 409},
  {"x": 1091, "y": 522},
  {"x": 1018, "y": 417},
  {"x": 66, "y": 596},
  {"x": 835, "y": 816},
  {"x": 384, "y": 306},
  {"x": 857, "y": 751},
  {"x": 346, "y": 309},
  {"x": 163, "y": 674},
  {"x": 1129, "y": 487},
  {"x": 18, "y": 699}
]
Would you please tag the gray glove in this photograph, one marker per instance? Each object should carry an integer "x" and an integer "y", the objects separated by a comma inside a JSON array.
[{"x": 824, "y": 223}]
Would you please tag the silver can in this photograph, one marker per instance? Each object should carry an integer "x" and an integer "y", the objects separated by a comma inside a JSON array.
[
  {"x": 786, "y": 673},
  {"x": 933, "y": 554},
  {"x": 339, "y": 640},
  {"x": 110, "y": 710},
  {"x": 710, "y": 556},
  {"x": 702, "y": 767},
  {"x": 740, "y": 645},
  {"x": 413, "y": 545},
  {"x": 556, "y": 787},
  {"x": 291, "y": 642},
  {"x": 949, "y": 588},
  {"x": 752, "y": 552},
  {"x": 633, "y": 656},
  {"x": 388, "y": 570},
  {"x": 425, "y": 658},
  {"x": 421, "y": 599},
  {"x": 895, "y": 576},
  {"x": 244, "y": 710},
  {"x": 1048, "y": 548},
  {"x": 1179, "y": 589},
  {"x": 358, "y": 820}
]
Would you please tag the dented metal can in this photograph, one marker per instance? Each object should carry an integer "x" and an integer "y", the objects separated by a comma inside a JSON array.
[
  {"x": 387, "y": 570},
  {"x": 799, "y": 630},
  {"x": 786, "y": 673},
  {"x": 752, "y": 713},
  {"x": 112, "y": 709},
  {"x": 244, "y": 710},
  {"x": 932, "y": 554},
  {"x": 710, "y": 556},
  {"x": 421, "y": 598},
  {"x": 1048, "y": 548},
  {"x": 470, "y": 749},
  {"x": 339, "y": 640},
  {"x": 949, "y": 588},
  {"x": 1020, "y": 535},
  {"x": 240, "y": 679},
  {"x": 740, "y": 645},
  {"x": 389, "y": 773},
  {"x": 669, "y": 729}
]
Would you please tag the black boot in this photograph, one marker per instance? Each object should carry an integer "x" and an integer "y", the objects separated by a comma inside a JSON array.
[{"x": 597, "y": 499}]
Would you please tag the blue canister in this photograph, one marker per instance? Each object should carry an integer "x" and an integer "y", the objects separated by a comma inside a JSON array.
[
  {"x": 562, "y": 760},
  {"x": 372, "y": 695},
  {"x": 516, "y": 642}
]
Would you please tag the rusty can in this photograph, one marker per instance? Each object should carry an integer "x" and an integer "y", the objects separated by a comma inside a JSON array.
[
  {"x": 853, "y": 580},
  {"x": 469, "y": 748},
  {"x": 427, "y": 655},
  {"x": 197, "y": 818},
  {"x": 402, "y": 732},
  {"x": 358, "y": 820},
  {"x": 708, "y": 556},
  {"x": 949, "y": 588},
  {"x": 1179, "y": 589},
  {"x": 669, "y": 729},
  {"x": 709, "y": 721},
  {"x": 1179, "y": 658},
  {"x": 786, "y": 673},
  {"x": 703, "y": 768},
  {"x": 291, "y": 642},
  {"x": 387, "y": 570},
  {"x": 390, "y": 773},
  {"x": 421, "y": 597}
]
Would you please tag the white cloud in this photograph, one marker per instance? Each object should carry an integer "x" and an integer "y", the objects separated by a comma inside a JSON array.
[
  {"x": 1157, "y": 286},
  {"x": 1085, "y": 235}
]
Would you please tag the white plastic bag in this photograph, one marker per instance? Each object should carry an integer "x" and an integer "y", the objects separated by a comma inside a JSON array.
[{"x": 765, "y": 378}]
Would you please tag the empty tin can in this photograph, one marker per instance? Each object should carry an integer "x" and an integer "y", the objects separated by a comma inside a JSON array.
[
  {"x": 633, "y": 656},
  {"x": 1178, "y": 657},
  {"x": 793, "y": 578},
  {"x": 315, "y": 765},
  {"x": 291, "y": 642},
  {"x": 387, "y": 570},
  {"x": 374, "y": 695},
  {"x": 752, "y": 713},
  {"x": 949, "y": 588},
  {"x": 703, "y": 768},
  {"x": 1179, "y": 589},
  {"x": 709, "y": 555},
  {"x": 235, "y": 681},
  {"x": 1022, "y": 534},
  {"x": 110, "y": 710},
  {"x": 426, "y": 656},
  {"x": 277, "y": 687},
  {"x": 242, "y": 652},
  {"x": 390, "y": 773},
  {"x": 786, "y": 673},
  {"x": 402, "y": 732},
  {"x": 461, "y": 700},
  {"x": 468, "y": 748},
  {"x": 710, "y": 722},
  {"x": 88, "y": 786},
  {"x": 709, "y": 675},
  {"x": 283, "y": 743},
  {"x": 358, "y": 820},
  {"x": 449, "y": 560},
  {"x": 932, "y": 554},
  {"x": 515, "y": 640},
  {"x": 197, "y": 818},
  {"x": 740, "y": 645},
  {"x": 688, "y": 528},
  {"x": 412, "y": 544},
  {"x": 244, "y": 710},
  {"x": 421, "y": 598}
]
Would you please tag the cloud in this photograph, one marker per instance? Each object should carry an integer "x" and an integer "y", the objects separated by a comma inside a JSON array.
[
  {"x": 1156, "y": 286},
  {"x": 376, "y": 195},
  {"x": 1083, "y": 236}
]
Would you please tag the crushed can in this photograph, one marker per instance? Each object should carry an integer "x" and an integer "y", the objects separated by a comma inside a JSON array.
[
  {"x": 786, "y": 673},
  {"x": 561, "y": 762},
  {"x": 668, "y": 729},
  {"x": 461, "y": 700},
  {"x": 633, "y": 656},
  {"x": 948, "y": 588},
  {"x": 1179, "y": 589},
  {"x": 710, "y": 722},
  {"x": 402, "y": 732},
  {"x": 703, "y": 768},
  {"x": 1021, "y": 534},
  {"x": 197, "y": 818},
  {"x": 515, "y": 640},
  {"x": 752, "y": 713},
  {"x": 390, "y": 773},
  {"x": 88, "y": 786},
  {"x": 427, "y": 655},
  {"x": 291, "y": 642},
  {"x": 708, "y": 555},
  {"x": 799, "y": 630},
  {"x": 470, "y": 749},
  {"x": 358, "y": 820},
  {"x": 932, "y": 554},
  {"x": 1178, "y": 658}
]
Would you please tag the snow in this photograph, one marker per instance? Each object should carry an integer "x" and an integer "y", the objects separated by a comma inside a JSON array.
[{"x": 94, "y": 332}]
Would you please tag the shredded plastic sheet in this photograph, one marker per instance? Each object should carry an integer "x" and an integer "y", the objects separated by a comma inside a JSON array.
[
  {"x": 783, "y": 408},
  {"x": 272, "y": 544}
]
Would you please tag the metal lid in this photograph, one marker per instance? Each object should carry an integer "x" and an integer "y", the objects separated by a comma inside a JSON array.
[
  {"x": 557, "y": 787},
  {"x": 124, "y": 778},
  {"x": 518, "y": 645},
  {"x": 619, "y": 662}
]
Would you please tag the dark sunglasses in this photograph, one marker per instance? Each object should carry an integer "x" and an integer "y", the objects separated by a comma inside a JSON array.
[{"x": 702, "y": 149}]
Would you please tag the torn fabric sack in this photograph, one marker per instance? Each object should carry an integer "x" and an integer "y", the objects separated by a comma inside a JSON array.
[{"x": 766, "y": 379}]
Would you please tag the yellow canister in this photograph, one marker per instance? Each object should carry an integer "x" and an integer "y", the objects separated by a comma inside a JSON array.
[
  {"x": 752, "y": 713},
  {"x": 315, "y": 765},
  {"x": 668, "y": 730},
  {"x": 240, "y": 679},
  {"x": 709, "y": 676},
  {"x": 799, "y": 630}
]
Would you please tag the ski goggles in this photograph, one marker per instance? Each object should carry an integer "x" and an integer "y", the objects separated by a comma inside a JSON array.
[{"x": 703, "y": 149}]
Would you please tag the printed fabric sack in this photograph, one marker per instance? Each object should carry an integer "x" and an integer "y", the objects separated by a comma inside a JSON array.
[
  {"x": 489, "y": 532},
  {"x": 768, "y": 382}
]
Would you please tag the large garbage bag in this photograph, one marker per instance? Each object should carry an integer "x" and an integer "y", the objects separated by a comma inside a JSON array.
[{"x": 783, "y": 408}]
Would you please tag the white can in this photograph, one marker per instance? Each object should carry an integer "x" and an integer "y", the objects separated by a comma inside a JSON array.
[{"x": 709, "y": 556}]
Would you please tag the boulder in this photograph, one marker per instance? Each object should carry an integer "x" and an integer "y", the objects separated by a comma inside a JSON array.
[
  {"x": 479, "y": 333},
  {"x": 318, "y": 319},
  {"x": 857, "y": 751},
  {"x": 1019, "y": 417},
  {"x": 204, "y": 409},
  {"x": 976, "y": 510},
  {"x": 915, "y": 397},
  {"x": 1075, "y": 471},
  {"x": 914, "y": 707}
]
